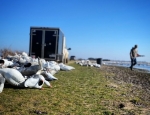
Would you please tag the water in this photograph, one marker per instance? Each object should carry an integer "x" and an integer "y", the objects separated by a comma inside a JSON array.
[{"x": 139, "y": 65}]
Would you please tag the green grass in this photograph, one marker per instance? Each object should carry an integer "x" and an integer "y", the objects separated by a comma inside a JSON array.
[{"x": 83, "y": 91}]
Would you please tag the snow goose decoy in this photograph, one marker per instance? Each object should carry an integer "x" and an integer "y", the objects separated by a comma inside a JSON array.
[
  {"x": 50, "y": 68},
  {"x": 65, "y": 67},
  {"x": 29, "y": 71},
  {"x": 36, "y": 81},
  {"x": 12, "y": 76},
  {"x": 2, "y": 81},
  {"x": 15, "y": 78},
  {"x": 49, "y": 76},
  {"x": 2, "y": 63},
  {"x": 5, "y": 63}
]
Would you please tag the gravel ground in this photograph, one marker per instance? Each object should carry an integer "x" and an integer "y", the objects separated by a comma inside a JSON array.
[
  {"x": 140, "y": 80},
  {"x": 136, "y": 76}
]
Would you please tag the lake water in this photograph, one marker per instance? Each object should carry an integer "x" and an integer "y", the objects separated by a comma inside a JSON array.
[{"x": 139, "y": 65}]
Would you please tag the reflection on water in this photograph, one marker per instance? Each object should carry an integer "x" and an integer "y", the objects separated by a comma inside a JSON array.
[{"x": 139, "y": 65}]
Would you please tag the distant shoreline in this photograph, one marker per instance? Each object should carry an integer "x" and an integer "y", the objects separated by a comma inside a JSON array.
[{"x": 134, "y": 69}]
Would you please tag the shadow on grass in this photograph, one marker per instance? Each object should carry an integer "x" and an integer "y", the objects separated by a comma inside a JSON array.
[{"x": 14, "y": 87}]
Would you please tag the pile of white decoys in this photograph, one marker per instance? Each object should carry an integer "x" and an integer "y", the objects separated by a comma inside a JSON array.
[
  {"x": 88, "y": 63},
  {"x": 24, "y": 71}
]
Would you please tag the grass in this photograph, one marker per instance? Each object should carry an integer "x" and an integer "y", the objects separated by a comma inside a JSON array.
[{"x": 83, "y": 91}]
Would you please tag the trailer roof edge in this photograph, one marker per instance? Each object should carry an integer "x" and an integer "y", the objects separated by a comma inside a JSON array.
[{"x": 40, "y": 27}]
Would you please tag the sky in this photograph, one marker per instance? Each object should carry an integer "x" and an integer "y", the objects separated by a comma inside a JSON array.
[{"x": 105, "y": 29}]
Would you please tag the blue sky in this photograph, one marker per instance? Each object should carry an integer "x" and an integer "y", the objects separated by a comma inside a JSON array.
[{"x": 93, "y": 28}]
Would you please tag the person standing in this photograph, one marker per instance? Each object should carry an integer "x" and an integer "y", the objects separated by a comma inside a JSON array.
[{"x": 133, "y": 55}]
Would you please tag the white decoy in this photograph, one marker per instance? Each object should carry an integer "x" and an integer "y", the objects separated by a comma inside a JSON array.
[
  {"x": 97, "y": 65},
  {"x": 36, "y": 81},
  {"x": 12, "y": 76},
  {"x": 65, "y": 67},
  {"x": 13, "y": 57},
  {"x": 82, "y": 61},
  {"x": 47, "y": 66},
  {"x": 5, "y": 63},
  {"x": 49, "y": 76},
  {"x": 2, "y": 81},
  {"x": 24, "y": 58},
  {"x": 29, "y": 71},
  {"x": 34, "y": 61},
  {"x": 80, "y": 64},
  {"x": 91, "y": 65},
  {"x": 55, "y": 66},
  {"x": 104, "y": 63},
  {"x": 77, "y": 62},
  {"x": 70, "y": 67},
  {"x": 2, "y": 63},
  {"x": 52, "y": 62},
  {"x": 15, "y": 78},
  {"x": 43, "y": 62},
  {"x": 24, "y": 54},
  {"x": 16, "y": 56},
  {"x": 22, "y": 61},
  {"x": 51, "y": 68}
]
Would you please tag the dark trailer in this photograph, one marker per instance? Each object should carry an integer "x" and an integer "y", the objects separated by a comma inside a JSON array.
[{"x": 47, "y": 43}]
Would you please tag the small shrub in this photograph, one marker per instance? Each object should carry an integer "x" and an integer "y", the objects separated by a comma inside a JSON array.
[{"x": 5, "y": 52}]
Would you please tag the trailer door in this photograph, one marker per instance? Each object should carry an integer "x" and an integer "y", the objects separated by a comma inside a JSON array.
[
  {"x": 50, "y": 49},
  {"x": 36, "y": 42}
]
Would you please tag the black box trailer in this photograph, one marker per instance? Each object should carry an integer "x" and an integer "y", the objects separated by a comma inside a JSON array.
[{"x": 47, "y": 43}]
